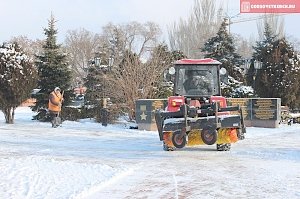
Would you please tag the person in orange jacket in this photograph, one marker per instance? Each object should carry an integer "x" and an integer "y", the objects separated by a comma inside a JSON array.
[{"x": 54, "y": 106}]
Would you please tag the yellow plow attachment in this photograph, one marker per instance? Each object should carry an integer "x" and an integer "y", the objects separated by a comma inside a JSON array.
[{"x": 225, "y": 135}]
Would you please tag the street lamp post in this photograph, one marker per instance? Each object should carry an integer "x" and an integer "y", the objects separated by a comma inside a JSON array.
[
  {"x": 98, "y": 66},
  {"x": 97, "y": 61},
  {"x": 246, "y": 65},
  {"x": 257, "y": 66},
  {"x": 252, "y": 74},
  {"x": 103, "y": 67},
  {"x": 104, "y": 113},
  {"x": 110, "y": 63}
]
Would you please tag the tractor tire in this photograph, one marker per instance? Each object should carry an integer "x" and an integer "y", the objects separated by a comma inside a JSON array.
[
  {"x": 224, "y": 147},
  {"x": 240, "y": 135},
  {"x": 209, "y": 136},
  {"x": 177, "y": 140},
  {"x": 168, "y": 148}
]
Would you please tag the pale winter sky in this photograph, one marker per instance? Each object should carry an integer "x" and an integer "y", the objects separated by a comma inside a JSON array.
[{"x": 28, "y": 18}]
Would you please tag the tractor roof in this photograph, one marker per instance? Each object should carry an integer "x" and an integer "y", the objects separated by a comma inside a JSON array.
[{"x": 198, "y": 61}]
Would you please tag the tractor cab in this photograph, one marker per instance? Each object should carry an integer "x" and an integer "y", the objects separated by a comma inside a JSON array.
[
  {"x": 196, "y": 78},
  {"x": 196, "y": 83}
]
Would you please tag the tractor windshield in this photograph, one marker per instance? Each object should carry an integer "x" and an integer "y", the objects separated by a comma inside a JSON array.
[{"x": 195, "y": 81}]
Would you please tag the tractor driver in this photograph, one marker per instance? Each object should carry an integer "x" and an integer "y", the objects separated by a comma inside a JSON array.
[{"x": 197, "y": 82}]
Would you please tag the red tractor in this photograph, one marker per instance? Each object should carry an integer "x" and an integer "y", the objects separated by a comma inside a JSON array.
[{"x": 197, "y": 113}]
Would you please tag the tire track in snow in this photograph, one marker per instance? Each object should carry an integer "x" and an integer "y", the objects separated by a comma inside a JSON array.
[
  {"x": 94, "y": 190},
  {"x": 175, "y": 184}
]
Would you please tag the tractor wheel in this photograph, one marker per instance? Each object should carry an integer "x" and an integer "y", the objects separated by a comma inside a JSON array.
[
  {"x": 209, "y": 136},
  {"x": 224, "y": 147},
  {"x": 168, "y": 148},
  {"x": 240, "y": 135},
  {"x": 178, "y": 140}
]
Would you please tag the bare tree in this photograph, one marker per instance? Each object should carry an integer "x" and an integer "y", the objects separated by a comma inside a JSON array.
[
  {"x": 244, "y": 46},
  {"x": 275, "y": 21},
  {"x": 135, "y": 70},
  {"x": 136, "y": 37},
  {"x": 189, "y": 35},
  {"x": 134, "y": 79},
  {"x": 30, "y": 47},
  {"x": 81, "y": 46}
]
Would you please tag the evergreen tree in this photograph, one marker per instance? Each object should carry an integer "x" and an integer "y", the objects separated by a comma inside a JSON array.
[
  {"x": 222, "y": 48},
  {"x": 53, "y": 69},
  {"x": 18, "y": 77},
  {"x": 296, "y": 104},
  {"x": 95, "y": 81},
  {"x": 280, "y": 73},
  {"x": 262, "y": 53}
]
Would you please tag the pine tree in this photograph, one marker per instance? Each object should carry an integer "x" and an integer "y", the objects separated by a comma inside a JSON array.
[
  {"x": 53, "y": 69},
  {"x": 296, "y": 104},
  {"x": 262, "y": 53},
  {"x": 18, "y": 77},
  {"x": 287, "y": 83},
  {"x": 222, "y": 48},
  {"x": 280, "y": 73},
  {"x": 95, "y": 82}
]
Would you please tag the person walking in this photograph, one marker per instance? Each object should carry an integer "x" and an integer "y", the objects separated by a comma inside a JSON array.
[{"x": 54, "y": 106}]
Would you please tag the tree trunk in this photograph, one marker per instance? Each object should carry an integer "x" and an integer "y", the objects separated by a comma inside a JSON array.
[
  {"x": 9, "y": 114},
  {"x": 131, "y": 107}
]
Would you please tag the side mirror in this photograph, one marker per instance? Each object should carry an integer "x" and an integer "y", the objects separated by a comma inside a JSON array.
[
  {"x": 223, "y": 71},
  {"x": 223, "y": 75},
  {"x": 172, "y": 70}
]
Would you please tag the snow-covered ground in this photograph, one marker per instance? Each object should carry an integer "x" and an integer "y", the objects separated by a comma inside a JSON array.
[{"x": 86, "y": 160}]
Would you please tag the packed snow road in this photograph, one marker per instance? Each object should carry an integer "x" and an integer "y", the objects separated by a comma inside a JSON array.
[{"x": 86, "y": 160}]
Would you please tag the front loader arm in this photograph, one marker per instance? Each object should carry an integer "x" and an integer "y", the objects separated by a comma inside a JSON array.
[{"x": 160, "y": 117}]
